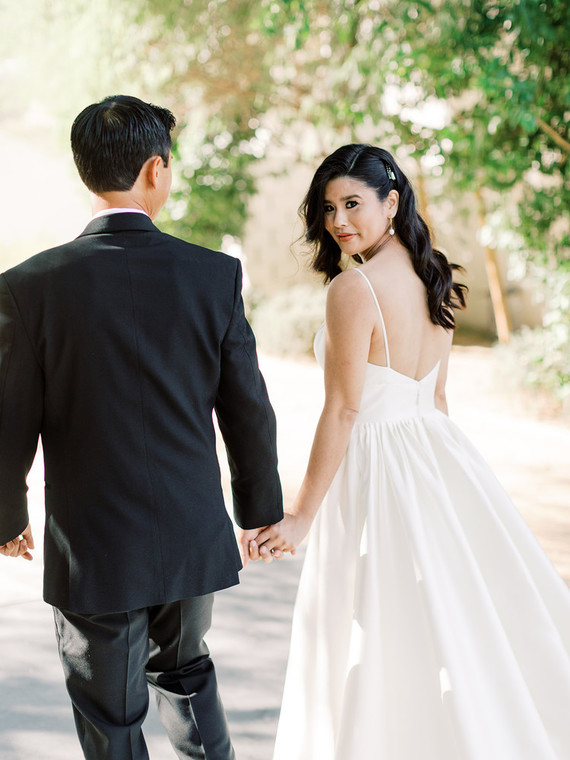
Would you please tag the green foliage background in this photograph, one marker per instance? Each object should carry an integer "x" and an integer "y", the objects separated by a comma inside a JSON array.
[{"x": 242, "y": 75}]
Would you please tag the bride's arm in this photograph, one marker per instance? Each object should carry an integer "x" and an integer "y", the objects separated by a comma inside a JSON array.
[
  {"x": 350, "y": 318},
  {"x": 440, "y": 398}
]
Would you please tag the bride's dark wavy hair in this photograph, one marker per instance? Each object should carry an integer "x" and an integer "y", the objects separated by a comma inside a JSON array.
[{"x": 373, "y": 166}]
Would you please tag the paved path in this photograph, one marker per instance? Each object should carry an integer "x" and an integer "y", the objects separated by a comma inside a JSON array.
[{"x": 249, "y": 639}]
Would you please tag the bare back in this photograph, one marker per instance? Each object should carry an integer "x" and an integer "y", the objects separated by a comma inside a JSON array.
[{"x": 415, "y": 344}]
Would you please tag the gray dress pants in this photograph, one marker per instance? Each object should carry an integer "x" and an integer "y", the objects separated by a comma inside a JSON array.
[{"x": 109, "y": 660}]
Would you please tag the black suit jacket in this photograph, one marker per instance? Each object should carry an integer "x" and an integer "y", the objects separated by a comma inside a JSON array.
[{"x": 116, "y": 348}]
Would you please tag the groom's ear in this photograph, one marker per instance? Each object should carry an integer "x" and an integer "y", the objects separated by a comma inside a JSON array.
[{"x": 151, "y": 171}]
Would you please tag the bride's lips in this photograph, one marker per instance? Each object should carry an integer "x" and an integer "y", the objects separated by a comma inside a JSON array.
[{"x": 346, "y": 236}]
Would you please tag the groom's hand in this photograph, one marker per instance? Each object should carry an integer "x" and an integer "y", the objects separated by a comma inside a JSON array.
[
  {"x": 255, "y": 552},
  {"x": 248, "y": 547},
  {"x": 20, "y": 545},
  {"x": 284, "y": 536},
  {"x": 245, "y": 538}
]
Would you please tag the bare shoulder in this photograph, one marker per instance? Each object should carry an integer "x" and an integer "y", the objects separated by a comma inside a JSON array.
[
  {"x": 346, "y": 288},
  {"x": 347, "y": 299},
  {"x": 346, "y": 281}
]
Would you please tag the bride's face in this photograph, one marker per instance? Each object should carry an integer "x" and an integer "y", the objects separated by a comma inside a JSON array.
[{"x": 354, "y": 216}]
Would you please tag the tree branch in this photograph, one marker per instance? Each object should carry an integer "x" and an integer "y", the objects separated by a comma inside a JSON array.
[{"x": 558, "y": 139}]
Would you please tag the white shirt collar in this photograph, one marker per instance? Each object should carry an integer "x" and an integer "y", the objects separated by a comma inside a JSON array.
[{"x": 108, "y": 211}]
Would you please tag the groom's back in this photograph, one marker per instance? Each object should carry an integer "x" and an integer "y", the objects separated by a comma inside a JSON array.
[{"x": 127, "y": 326}]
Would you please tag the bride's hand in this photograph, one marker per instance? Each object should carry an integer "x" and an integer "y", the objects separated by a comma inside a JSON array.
[{"x": 284, "y": 536}]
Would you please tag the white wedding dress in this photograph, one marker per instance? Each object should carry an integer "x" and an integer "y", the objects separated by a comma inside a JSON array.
[{"x": 429, "y": 624}]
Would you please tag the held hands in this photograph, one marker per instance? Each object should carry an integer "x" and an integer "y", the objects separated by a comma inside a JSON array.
[
  {"x": 19, "y": 546},
  {"x": 247, "y": 542},
  {"x": 271, "y": 542}
]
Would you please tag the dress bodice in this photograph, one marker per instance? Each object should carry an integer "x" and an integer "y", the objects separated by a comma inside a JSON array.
[{"x": 388, "y": 395}]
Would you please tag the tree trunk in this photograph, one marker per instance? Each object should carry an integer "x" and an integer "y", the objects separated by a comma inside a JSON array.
[
  {"x": 422, "y": 197},
  {"x": 498, "y": 297}
]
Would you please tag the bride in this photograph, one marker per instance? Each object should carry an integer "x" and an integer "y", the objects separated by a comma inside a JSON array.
[{"x": 429, "y": 624}]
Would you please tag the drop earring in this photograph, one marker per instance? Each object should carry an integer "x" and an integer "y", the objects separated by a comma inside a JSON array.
[{"x": 392, "y": 230}]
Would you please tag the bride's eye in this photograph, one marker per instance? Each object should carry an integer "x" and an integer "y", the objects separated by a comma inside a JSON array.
[
  {"x": 328, "y": 208},
  {"x": 351, "y": 204}
]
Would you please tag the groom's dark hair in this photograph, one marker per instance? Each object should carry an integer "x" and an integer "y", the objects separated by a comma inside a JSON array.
[{"x": 111, "y": 141}]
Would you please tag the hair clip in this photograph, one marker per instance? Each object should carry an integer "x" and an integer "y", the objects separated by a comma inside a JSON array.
[{"x": 390, "y": 172}]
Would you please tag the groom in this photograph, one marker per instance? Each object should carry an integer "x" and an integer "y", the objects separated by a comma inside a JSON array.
[{"x": 116, "y": 348}]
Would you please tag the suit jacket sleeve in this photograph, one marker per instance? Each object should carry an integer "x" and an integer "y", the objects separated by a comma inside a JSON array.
[
  {"x": 247, "y": 423},
  {"x": 21, "y": 406}
]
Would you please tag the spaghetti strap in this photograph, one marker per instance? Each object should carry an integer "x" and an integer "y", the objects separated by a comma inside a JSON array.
[{"x": 380, "y": 313}]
